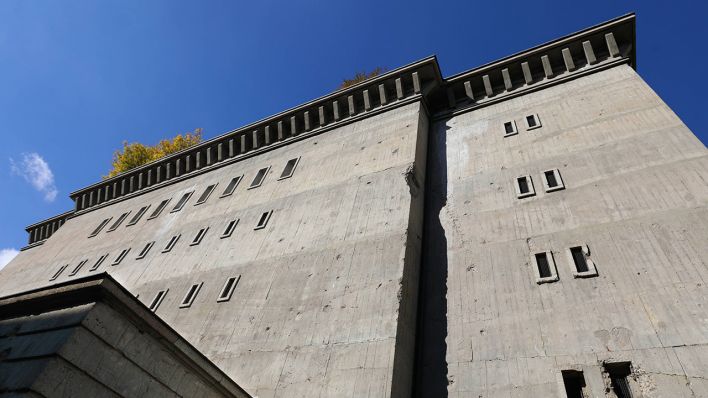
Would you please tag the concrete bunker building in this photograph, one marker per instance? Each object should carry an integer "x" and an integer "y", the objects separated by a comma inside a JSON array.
[{"x": 534, "y": 227}]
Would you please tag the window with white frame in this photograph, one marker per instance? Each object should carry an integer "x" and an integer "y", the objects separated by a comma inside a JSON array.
[
  {"x": 552, "y": 180},
  {"x": 98, "y": 262},
  {"x": 289, "y": 168},
  {"x": 157, "y": 300},
  {"x": 171, "y": 243},
  {"x": 118, "y": 222},
  {"x": 145, "y": 250},
  {"x": 59, "y": 271},
  {"x": 532, "y": 122},
  {"x": 230, "y": 227},
  {"x": 232, "y": 186},
  {"x": 205, "y": 195},
  {"x": 545, "y": 267},
  {"x": 263, "y": 220},
  {"x": 100, "y": 227},
  {"x": 182, "y": 201},
  {"x": 191, "y": 295},
  {"x": 228, "y": 290},
  {"x": 580, "y": 262},
  {"x": 159, "y": 209},
  {"x": 199, "y": 236},
  {"x": 120, "y": 257},
  {"x": 138, "y": 216},
  {"x": 510, "y": 128},
  {"x": 258, "y": 179},
  {"x": 78, "y": 267},
  {"x": 524, "y": 187}
]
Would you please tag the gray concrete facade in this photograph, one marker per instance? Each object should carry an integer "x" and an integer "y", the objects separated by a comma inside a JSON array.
[{"x": 533, "y": 223}]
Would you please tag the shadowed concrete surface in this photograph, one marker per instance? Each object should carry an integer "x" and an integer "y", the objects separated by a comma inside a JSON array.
[
  {"x": 532, "y": 227},
  {"x": 91, "y": 338}
]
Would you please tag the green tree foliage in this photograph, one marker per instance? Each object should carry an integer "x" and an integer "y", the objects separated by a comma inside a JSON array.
[
  {"x": 360, "y": 77},
  {"x": 136, "y": 154}
]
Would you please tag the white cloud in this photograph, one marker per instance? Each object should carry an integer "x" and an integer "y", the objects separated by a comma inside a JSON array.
[
  {"x": 6, "y": 255},
  {"x": 36, "y": 171}
]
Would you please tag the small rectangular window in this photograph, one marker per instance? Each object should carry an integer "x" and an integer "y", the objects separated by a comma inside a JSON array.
[
  {"x": 552, "y": 180},
  {"x": 545, "y": 267},
  {"x": 199, "y": 236},
  {"x": 159, "y": 209},
  {"x": 171, "y": 243},
  {"x": 78, "y": 268},
  {"x": 532, "y": 122},
  {"x": 582, "y": 266},
  {"x": 157, "y": 300},
  {"x": 524, "y": 187},
  {"x": 118, "y": 222},
  {"x": 510, "y": 128},
  {"x": 100, "y": 227},
  {"x": 191, "y": 295},
  {"x": 232, "y": 186},
  {"x": 59, "y": 271},
  {"x": 258, "y": 179},
  {"x": 120, "y": 257},
  {"x": 289, "y": 168},
  {"x": 182, "y": 201},
  {"x": 205, "y": 195},
  {"x": 230, "y": 226},
  {"x": 618, "y": 373},
  {"x": 574, "y": 382},
  {"x": 228, "y": 290},
  {"x": 98, "y": 262},
  {"x": 145, "y": 250},
  {"x": 137, "y": 216},
  {"x": 263, "y": 220}
]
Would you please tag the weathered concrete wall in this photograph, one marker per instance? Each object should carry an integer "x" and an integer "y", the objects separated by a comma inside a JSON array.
[
  {"x": 90, "y": 351},
  {"x": 636, "y": 194},
  {"x": 326, "y": 288}
]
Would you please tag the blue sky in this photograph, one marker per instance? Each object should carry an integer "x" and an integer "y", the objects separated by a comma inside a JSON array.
[{"x": 79, "y": 77}]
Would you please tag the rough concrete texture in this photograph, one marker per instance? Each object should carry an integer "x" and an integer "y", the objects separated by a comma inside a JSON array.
[
  {"x": 636, "y": 195},
  {"x": 327, "y": 298},
  {"x": 92, "y": 350}
]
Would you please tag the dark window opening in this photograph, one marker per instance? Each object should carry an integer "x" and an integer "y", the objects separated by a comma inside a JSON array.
[
  {"x": 159, "y": 209},
  {"x": 289, "y": 168},
  {"x": 230, "y": 228},
  {"x": 551, "y": 179},
  {"x": 100, "y": 227},
  {"x": 171, "y": 243},
  {"x": 78, "y": 268},
  {"x": 523, "y": 185},
  {"x": 544, "y": 267},
  {"x": 618, "y": 373},
  {"x": 228, "y": 289},
  {"x": 145, "y": 250},
  {"x": 138, "y": 216},
  {"x": 581, "y": 264},
  {"x": 574, "y": 382},
  {"x": 120, "y": 257},
  {"x": 157, "y": 300},
  {"x": 200, "y": 235},
  {"x": 509, "y": 127},
  {"x": 232, "y": 186},
  {"x": 205, "y": 195},
  {"x": 531, "y": 121},
  {"x": 59, "y": 271},
  {"x": 118, "y": 222},
  {"x": 182, "y": 201},
  {"x": 263, "y": 220},
  {"x": 98, "y": 262},
  {"x": 191, "y": 295},
  {"x": 258, "y": 179}
]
